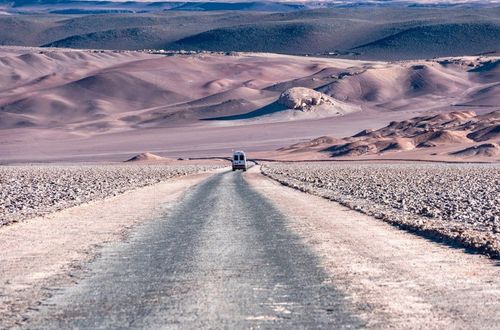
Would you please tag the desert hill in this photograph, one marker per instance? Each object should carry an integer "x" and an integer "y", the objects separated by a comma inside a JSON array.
[
  {"x": 79, "y": 7},
  {"x": 99, "y": 104},
  {"x": 378, "y": 32},
  {"x": 461, "y": 134},
  {"x": 482, "y": 150},
  {"x": 94, "y": 92},
  {"x": 147, "y": 157}
]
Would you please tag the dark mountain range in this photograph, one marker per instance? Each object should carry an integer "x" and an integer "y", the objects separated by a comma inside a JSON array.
[{"x": 375, "y": 32}]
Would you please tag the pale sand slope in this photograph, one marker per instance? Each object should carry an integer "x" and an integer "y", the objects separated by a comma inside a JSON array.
[
  {"x": 395, "y": 279},
  {"x": 105, "y": 105},
  {"x": 48, "y": 252}
]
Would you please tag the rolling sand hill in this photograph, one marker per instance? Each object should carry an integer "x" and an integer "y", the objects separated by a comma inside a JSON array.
[
  {"x": 463, "y": 135},
  {"x": 147, "y": 157},
  {"x": 60, "y": 104}
]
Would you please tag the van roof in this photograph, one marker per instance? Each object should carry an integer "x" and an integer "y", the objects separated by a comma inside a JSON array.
[{"x": 239, "y": 152}]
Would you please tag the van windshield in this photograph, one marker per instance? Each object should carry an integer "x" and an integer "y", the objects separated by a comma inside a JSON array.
[
  {"x": 235, "y": 157},
  {"x": 242, "y": 157}
]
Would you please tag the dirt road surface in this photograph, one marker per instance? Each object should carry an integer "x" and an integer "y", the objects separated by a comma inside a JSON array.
[
  {"x": 241, "y": 251},
  {"x": 394, "y": 278}
]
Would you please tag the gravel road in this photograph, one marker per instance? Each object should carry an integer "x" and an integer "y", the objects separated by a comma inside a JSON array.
[
  {"x": 397, "y": 280},
  {"x": 222, "y": 258}
]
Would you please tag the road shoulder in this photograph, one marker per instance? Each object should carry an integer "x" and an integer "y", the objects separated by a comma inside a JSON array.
[
  {"x": 46, "y": 253},
  {"x": 393, "y": 277}
]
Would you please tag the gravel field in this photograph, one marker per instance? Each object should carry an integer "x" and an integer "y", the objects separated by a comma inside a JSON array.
[
  {"x": 459, "y": 203},
  {"x": 27, "y": 191}
]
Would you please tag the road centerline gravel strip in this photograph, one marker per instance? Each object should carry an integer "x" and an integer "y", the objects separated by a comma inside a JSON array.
[{"x": 223, "y": 258}]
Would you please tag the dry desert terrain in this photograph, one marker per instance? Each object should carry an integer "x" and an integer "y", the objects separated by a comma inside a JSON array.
[
  {"x": 84, "y": 105},
  {"x": 371, "y": 197}
]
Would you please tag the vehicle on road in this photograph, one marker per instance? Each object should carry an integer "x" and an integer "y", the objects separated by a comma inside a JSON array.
[{"x": 239, "y": 161}]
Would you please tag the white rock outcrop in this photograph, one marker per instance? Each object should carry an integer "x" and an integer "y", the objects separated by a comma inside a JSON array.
[{"x": 305, "y": 99}]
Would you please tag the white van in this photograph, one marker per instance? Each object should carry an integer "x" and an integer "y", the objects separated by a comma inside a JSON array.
[{"x": 239, "y": 161}]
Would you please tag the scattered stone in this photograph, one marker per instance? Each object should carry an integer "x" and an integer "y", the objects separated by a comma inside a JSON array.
[
  {"x": 458, "y": 202},
  {"x": 28, "y": 191}
]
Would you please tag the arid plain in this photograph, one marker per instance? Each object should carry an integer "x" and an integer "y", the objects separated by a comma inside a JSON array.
[
  {"x": 371, "y": 193},
  {"x": 74, "y": 105}
]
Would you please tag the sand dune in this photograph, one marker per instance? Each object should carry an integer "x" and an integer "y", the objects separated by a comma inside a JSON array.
[
  {"x": 139, "y": 89},
  {"x": 482, "y": 150},
  {"x": 489, "y": 132},
  {"x": 485, "y": 72},
  {"x": 395, "y": 86},
  {"x": 147, "y": 157},
  {"x": 79, "y": 86},
  {"x": 107, "y": 96},
  {"x": 464, "y": 133},
  {"x": 484, "y": 96},
  {"x": 443, "y": 136}
]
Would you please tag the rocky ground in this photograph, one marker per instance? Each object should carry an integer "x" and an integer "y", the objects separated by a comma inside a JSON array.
[
  {"x": 457, "y": 203},
  {"x": 27, "y": 191},
  {"x": 463, "y": 134}
]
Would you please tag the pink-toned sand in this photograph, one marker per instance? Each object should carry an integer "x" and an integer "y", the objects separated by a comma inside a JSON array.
[
  {"x": 453, "y": 136},
  {"x": 82, "y": 105}
]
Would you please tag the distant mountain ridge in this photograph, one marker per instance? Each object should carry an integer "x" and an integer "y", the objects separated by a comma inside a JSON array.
[
  {"x": 92, "y": 6},
  {"x": 79, "y": 6},
  {"x": 381, "y": 32}
]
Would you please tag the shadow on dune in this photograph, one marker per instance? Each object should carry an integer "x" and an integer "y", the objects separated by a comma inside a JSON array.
[
  {"x": 266, "y": 110},
  {"x": 488, "y": 66}
]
